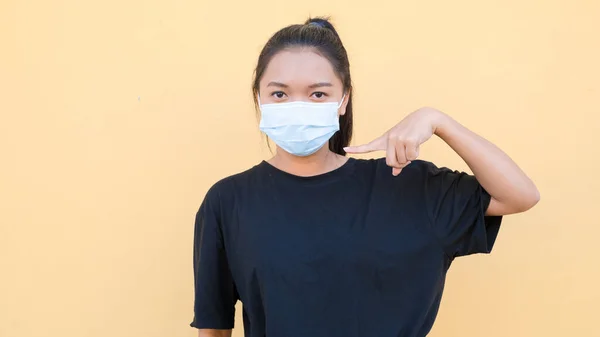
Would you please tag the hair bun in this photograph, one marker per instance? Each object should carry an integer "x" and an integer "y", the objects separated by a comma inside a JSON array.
[{"x": 321, "y": 22}]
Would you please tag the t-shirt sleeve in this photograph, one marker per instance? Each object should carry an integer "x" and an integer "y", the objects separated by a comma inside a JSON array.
[
  {"x": 456, "y": 204},
  {"x": 215, "y": 292}
]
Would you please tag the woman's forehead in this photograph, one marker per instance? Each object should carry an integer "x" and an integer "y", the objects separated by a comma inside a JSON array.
[{"x": 299, "y": 67}]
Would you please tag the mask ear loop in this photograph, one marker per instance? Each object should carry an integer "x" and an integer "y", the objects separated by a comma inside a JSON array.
[
  {"x": 258, "y": 100},
  {"x": 342, "y": 101}
]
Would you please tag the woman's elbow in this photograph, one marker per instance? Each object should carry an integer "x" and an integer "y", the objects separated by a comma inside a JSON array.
[
  {"x": 527, "y": 200},
  {"x": 214, "y": 333},
  {"x": 522, "y": 202}
]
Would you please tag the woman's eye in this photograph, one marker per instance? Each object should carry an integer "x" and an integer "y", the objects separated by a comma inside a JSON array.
[
  {"x": 319, "y": 94},
  {"x": 278, "y": 94}
]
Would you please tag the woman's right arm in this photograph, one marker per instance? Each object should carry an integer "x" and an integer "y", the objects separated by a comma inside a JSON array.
[
  {"x": 215, "y": 292},
  {"x": 214, "y": 333}
]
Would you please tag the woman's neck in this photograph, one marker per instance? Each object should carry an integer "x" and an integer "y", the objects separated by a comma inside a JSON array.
[{"x": 320, "y": 162}]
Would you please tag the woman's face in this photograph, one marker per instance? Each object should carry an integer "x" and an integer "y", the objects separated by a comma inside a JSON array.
[{"x": 301, "y": 75}]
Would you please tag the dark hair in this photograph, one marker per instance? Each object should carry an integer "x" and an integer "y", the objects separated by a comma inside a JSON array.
[{"x": 319, "y": 34}]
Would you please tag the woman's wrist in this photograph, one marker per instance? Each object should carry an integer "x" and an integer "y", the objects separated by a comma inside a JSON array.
[{"x": 440, "y": 122}]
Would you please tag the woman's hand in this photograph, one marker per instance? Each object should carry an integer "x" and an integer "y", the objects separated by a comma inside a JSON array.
[{"x": 402, "y": 142}]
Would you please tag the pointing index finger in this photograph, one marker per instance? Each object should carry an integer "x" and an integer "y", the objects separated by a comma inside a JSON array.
[{"x": 376, "y": 145}]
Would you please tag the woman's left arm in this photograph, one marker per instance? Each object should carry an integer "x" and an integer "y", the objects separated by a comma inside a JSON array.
[{"x": 511, "y": 189}]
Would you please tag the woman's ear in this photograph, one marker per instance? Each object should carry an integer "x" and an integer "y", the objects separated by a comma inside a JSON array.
[{"x": 342, "y": 110}]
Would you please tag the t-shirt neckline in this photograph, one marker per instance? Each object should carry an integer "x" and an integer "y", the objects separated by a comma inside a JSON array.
[{"x": 335, "y": 174}]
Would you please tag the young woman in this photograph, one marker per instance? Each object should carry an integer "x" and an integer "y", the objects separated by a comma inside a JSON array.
[{"x": 318, "y": 244}]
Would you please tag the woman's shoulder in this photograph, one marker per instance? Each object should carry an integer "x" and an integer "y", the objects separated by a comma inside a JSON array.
[
  {"x": 226, "y": 187},
  {"x": 416, "y": 166}
]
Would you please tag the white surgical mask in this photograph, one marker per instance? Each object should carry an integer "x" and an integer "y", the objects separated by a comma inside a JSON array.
[{"x": 300, "y": 128}]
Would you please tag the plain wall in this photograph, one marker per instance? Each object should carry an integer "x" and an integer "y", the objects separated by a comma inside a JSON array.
[{"x": 117, "y": 116}]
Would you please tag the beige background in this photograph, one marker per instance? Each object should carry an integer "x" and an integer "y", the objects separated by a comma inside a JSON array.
[{"x": 117, "y": 116}]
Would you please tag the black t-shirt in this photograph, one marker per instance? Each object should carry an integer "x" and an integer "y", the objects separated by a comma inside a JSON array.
[{"x": 355, "y": 252}]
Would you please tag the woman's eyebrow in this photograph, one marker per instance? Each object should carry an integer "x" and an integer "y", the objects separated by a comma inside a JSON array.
[
  {"x": 312, "y": 86},
  {"x": 320, "y": 84},
  {"x": 277, "y": 84}
]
